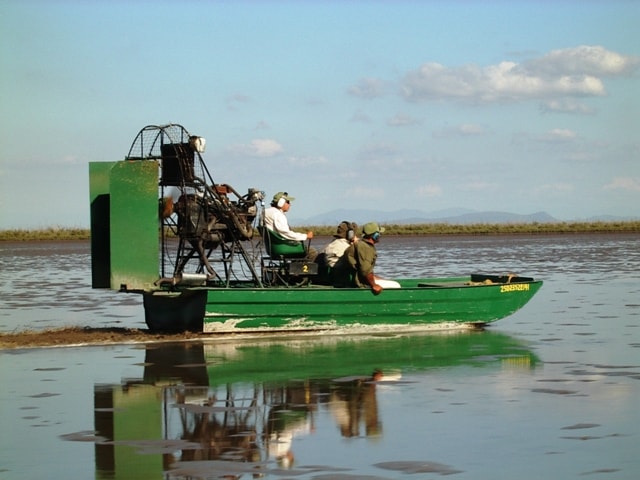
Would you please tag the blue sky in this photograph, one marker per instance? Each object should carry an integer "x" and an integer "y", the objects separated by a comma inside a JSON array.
[{"x": 518, "y": 106}]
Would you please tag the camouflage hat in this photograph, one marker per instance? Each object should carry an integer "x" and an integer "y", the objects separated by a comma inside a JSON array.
[
  {"x": 343, "y": 229},
  {"x": 371, "y": 228}
]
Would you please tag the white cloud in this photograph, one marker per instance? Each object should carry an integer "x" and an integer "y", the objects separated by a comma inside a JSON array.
[
  {"x": 470, "y": 129},
  {"x": 266, "y": 147},
  {"x": 429, "y": 191},
  {"x": 565, "y": 105},
  {"x": 365, "y": 193},
  {"x": 624, "y": 183},
  {"x": 561, "y": 73},
  {"x": 462, "y": 130},
  {"x": 238, "y": 97},
  {"x": 554, "y": 136},
  {"x": 402, "y": 120},
  {"x": 360, "y": 117},
  {"x": 377, "y": 152},
  {"x": 307, "y": 161},
  {"x": 258, "y": 148},
  {"x": 479, "y": 186},
  {"x": 559, "y": 135},
  {"x": 367, "y": 88},
  {"x": 554, "y": 188},
  {"x": 583, "y": 60},
  {"x": 234, "y": 101}
]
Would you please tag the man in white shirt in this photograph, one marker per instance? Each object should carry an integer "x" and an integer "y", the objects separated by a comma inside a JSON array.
[{"x": 276, "y": 221}]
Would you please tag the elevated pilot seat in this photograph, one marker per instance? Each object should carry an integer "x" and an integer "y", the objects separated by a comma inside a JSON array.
[{"x": 285, "y": 263}]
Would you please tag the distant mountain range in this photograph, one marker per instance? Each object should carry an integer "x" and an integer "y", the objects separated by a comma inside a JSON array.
[{"x": 456, "y": 216}]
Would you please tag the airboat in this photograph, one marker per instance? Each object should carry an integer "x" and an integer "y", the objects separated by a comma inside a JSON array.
[{"x": 198, "y": 254}]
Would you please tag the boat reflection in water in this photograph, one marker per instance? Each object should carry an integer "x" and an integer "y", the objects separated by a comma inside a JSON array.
[{"x": 207, "y": 410}]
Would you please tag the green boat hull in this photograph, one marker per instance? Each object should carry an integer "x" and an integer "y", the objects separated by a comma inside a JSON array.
[{"x": 421, "y": 304}]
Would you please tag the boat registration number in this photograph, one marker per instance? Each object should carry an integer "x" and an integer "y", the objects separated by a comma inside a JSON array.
[{"x": 514, "y": 287}]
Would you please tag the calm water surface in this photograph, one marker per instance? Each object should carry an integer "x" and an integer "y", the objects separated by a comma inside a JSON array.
[{"x": 551, "y": 392}]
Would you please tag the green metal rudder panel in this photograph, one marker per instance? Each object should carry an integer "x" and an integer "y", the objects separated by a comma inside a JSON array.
[
  {"x": 99, "y": 210},
  {"x": 134, "y": 224},
  {"x": 124, "y": 224}
]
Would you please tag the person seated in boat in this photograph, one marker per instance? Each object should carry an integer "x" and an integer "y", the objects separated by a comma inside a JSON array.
[
  {"x": 343, "y": 238},
  {"x": 356, "y": 267},
  {"x": 276, "y": 221}
]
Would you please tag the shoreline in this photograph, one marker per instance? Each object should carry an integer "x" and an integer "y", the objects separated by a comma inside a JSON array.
[
  {"x": 88, "y": 337},
  {"x": 392, "y": 229}
]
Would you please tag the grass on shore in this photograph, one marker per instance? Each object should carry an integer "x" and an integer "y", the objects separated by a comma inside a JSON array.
[
  {"x": 45, "y": 234},
  {"x": 61, "y": 233}
]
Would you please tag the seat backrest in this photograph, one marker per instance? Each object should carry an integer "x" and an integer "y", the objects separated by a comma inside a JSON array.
[{"x": 279, "y": 247}]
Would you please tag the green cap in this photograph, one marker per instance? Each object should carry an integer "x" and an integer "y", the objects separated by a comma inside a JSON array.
[
  {"x": 280, "y": 195},
  {"x": 371, "y": 228}
]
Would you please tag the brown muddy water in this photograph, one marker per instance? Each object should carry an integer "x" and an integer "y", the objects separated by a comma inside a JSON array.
[{"x": 551, "y": 392}]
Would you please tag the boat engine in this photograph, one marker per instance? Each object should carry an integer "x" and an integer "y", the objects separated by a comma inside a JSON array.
[{"x": 201, "y": 214}]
